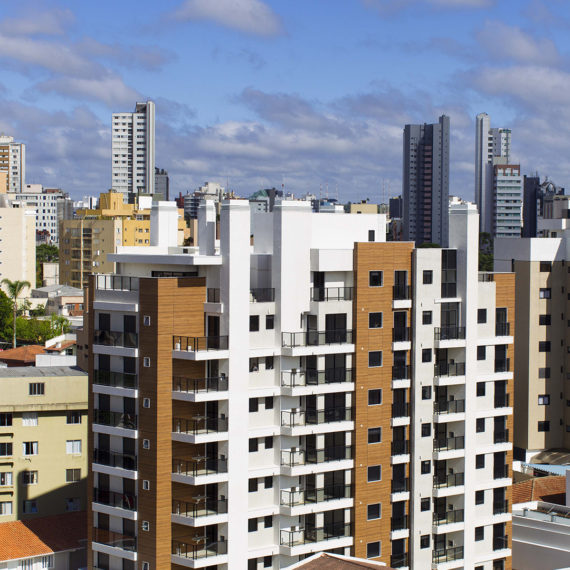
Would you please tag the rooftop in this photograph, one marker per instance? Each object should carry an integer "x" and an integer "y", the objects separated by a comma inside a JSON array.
[
  {"x": 326, "y": 561},
  {"x": 551, "y": 489},
  {"x": 46, "y": 535},
  {"x": 22, "y": 353},
  {"x": 58, "y": 290},
  {"x": 41, "y": 371}
]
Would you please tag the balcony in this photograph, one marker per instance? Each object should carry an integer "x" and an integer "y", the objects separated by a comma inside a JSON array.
[
  {"x": 500, "y": 542},
  {"x": 501, "y": 436},
  {"x": 400, "y": 410},
  {"x": 199, "y": 466},
  {"x": 290, "y": 418},
  {"x": 450, "y": 480},
  {"x": 113, "y": 499},
  {"x": 450, "y": 369},
  {"x": 115, "y": 539},
  {"x": 401, "y": 334},
  {"x": 116, "y": 338},
  {"x": 449, "y": 443},
  {"x": 297, "y": 457},
  {"x": 401, "y": 292},
  {"x": 199, "y": 343},
  {"x": 311, "y": 377},
  {"x": 296, "y": 498},
  {"x": 399, "y": 560},
  {"x": 115, "y": 379},
  {"x": 200, "y": 425},
  {"x": 502, "y": 329},
  {"x": 400, "y": 485},
  {"x": 400, "y": 447},
  {"x": 116, "y": 283},
  {"x": 399, "y": 523},
  {"x": 449, "y": 407},
  {"x": 449, "y": 517},
  {"x": 199, "y": 385},
  {"x": 296, "y": 537},
  {"x": 500, "y": 507},
  {"x": 323, "y": 294},
  {"x": 115, "y": 419},
  {"x": 447, "y": 555},
  {"x": 262, "y": 295},
  {"x": 449, "y": 333},
  {"x": 316, "y": 338},
  {"x": 200, "y": 508},
  {"x": 502, "y": 400},
  {"x": 199, "y": 551},
  {"x": 212, "y": 295},
  {"x": 114, "y": 459},
  {"x": 503, "y": 365}
]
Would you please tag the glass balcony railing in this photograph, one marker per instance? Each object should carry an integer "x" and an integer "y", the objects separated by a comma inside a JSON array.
[
  {"x": 447, "y": 555},
  {"x": 294, "y": 418},
  {"x": 449, "y": 333},
  {"x": 500, "y": 542},
  {"x": 115, "y": 539},
  {"x": 399, "y": 523},
  {"x": 401, "y": 334},
  {"x": 500, "y": 507},
  {"x": 198, "y": 385},
  {"x": 115, "y": 419},
  {"x": 295, "y": 457},
  {"x": 402, "y": 372},
  {"x": 450, "y": 480},
  {"x": 503, "y": 365},
  {"x": 113, "y": 499},
  {"x": 449, "y": 407},
  {"x": 502, "y": 329},
  {"x": 401, "y": 292},
  {"x": 400, "y": 485},
  {"x": 262, "y": 295},
  {"x": 400, "y": 410},
  {"x": 449, "y": 517},
  {"x": 320, "y": 294},
  {"x": 198, "y": 551},
  {"x": 200, "y": 425},
  {"x": 501, "y": 436},
  {"x": 199, "y": 466},
  {"x": 212, "y": 295},
  {"x": 202, "y": 508},
  {"x": 449, "y": 369},
  {"x": 400, "y": 447},
  {"x": 297, "y": 537},
  {"x": 116, "y": 379},
  {"x": 198, "y": 343},
  {"x": 115, "y": 459},
  {"x": 294, "y": 497},
  {"x": 316, "y": 338},
  {"x": 449, "y": 443},
  {"x": 399, "y": 560},
  {"x": 502, "y": 400},
  {"x": 312, "y": 377},
  {"x": 116, "y": 338},
  {"x": 116, "y": 283}
]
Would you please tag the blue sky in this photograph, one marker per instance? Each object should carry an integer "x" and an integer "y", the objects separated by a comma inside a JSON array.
[{"x": 311, "y": 94}]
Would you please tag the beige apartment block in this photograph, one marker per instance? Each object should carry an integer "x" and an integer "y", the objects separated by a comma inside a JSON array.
[{"x": 43, "y": 441}]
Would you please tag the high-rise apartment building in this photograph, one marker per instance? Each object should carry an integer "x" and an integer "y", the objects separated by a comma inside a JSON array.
[
  {"x": 498, "y": 182},
  {"x": 133, "y": 169},
  {"x": 426, "y": 182},
  {"x": 13, "y": 163},
  {"x": 300, "y": 386}
]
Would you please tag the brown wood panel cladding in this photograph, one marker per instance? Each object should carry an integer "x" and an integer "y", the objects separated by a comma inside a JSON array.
[
  {"x": 386, "y": 257},
  {"x": 175, "y": 307},
  {"x": 505, "y": 297}
]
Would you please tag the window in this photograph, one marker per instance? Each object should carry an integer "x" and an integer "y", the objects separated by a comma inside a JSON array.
[
  {"x": 269, "y": 402},
  {"x": 479, "y": 533},
  {"x": 5, "y": 420},
  {"x": 268, "y": 521},
  {"x": 146, "y": 402},
  {"x": 544, "y": 399},
  {"x": 479, "y": 497},
  {"x": 252, "y": 564},
  {"x": 74, "y": 417},
  {"x": 481, "y": 316},
  {"x": 30, "y": 447},
  {"x": 480, "y": 425},
  {"x": 267, "y": 561},
  {"x": 269, "y": 363},
  {"x": 36, "y": 388},
  {"x": 146, "y": 443},
  {"x": 145, "y": 526},
  {"x": 268, "y": 482},
  {"x": 544, "y": 319},
  {"x": 545, "y": 266},
  {"x": 72, "y": 504},
  {"x": 426, "y": 467},
  {"x": 146, "y": 320},
  {"x": 269, "y": 322},
  {"x": 428, "y": 277},
  {"x": 374, "y": 358},
  {"x": 6, "y": 479},
  {"x": 146, "y": 362},
  {"x": 253, "y": 404},
  {"x": 374, "y": 320},
  {"x": 424, "y": 504},
  {"x": 269, "y": 442},
  {"x": 5, "y": 449},
  {"x": 254, "y": 364},
  {"x": 72, "y": 475},
  {"x": 254, "y": 323},
  {"x": 544, "y": 346},
  {"x": 426, "y": 317},
  {"x": 73, "y": 447},
  {"x": 480, "y": 389},
  {"x": 6, "y": 508},
  {"x": 375, "y": 278},
  {"x": 252, "y": 485},
  {"x": 426, "y": 392},
  {"x": 145, "y": 566},
  {"x": 374, "y": 473},
  {"x": 30, "y": 507},
  {"x": 253, "y": 445},
  {"x": 375, "y": 397},
  {"x": 373, "y": 549},
  {"x": 543, "y": 426},
  {"x": 375, "y": 435},
  {"x": 374, "y": 511},
  {"x": 479, "y": 462},
  {"x": 481, "y": 352},
  {"x": 544, "y": 293},
  {"x": 29, "y": 419},
  {"x": 426, "y": 354},
  {"x": 426, "y": 430},
  {"x": 252, "y": 525},
  {"x": 424, "y": 541},
  {"x": 146, "y": 485},
  {"x": 371, "y": 235}
]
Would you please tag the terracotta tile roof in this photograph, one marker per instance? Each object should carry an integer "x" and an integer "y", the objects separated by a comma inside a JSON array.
[
  {"x": 551, "y": 489},
  {"x": 325, "y": 561},
  {"x": 61, "y": 347},
  {"x": 22, "y": 353},
  {"x": 46, "y": 535}
]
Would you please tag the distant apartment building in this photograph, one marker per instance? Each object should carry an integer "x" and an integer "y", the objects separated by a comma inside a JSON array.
[
  {"x": 301, "y": 387},
  {"x": 133, "y": 150},
  {"x": 507, "y": 192},
  {"x": 364, "y": 207},
  {"x": 12, "y": 165},
  {"x": 536, "y": 198},
  {"x": 425, "y": 179},
  {"x": 396, "y": 207},
  {"x": 43, "y": 442},
  {"x": 209, "y": 191},
  {"x": 161, "y": 184}
]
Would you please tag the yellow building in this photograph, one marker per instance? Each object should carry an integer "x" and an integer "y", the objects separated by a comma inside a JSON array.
[
  {"x": 43, "y": 441},
  {"x": 364, "y": 208},
  {"x": 85, "y": 242}
]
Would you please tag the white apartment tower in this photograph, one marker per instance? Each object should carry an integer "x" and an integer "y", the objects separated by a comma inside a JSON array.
[
  {"x": 500, "y": 211},
  {"x": 299, "y": 385},
  {"x": 13, "y": 164},
  {"x": 133, "y": 170}
]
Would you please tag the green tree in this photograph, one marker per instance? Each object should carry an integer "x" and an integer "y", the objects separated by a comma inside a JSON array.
[
  {"x": 14, "y": 290},
  {"x": 45, "y": 253},
  {"x": 486, "y": 259}
]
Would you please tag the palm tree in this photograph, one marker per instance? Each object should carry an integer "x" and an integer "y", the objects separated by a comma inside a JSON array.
[{"x": 14, "y": 290}]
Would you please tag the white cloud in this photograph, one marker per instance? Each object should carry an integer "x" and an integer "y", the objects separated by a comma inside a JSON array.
[
  {"x": 249, "y": 16},
  {"x": 52, "y": 23},
  {"x": 387, "y": 7}
]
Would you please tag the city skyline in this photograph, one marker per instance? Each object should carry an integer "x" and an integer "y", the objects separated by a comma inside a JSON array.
[{"x": 310, "y": 96}]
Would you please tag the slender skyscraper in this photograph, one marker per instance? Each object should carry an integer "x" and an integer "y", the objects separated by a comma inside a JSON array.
[
  {"x": 133, "y": 151},
  {"x": 426, "y": 182}
]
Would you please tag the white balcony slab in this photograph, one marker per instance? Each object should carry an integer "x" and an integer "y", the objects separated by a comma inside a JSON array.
[
  {"x": 200, "y": 354},
  {"x": 200, "y": 562},
  {"x": 114, "y": 511},
  {"x": 309, "y": 547},
  {"x": 200, "y": 521}
]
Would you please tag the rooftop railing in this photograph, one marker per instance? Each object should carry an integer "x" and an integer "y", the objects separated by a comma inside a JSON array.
[{"x": 116, "y": 283}]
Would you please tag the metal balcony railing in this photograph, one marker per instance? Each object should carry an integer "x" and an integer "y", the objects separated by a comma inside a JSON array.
[
  {"x": 450, "y": 480},
  {"x": 449, "y": 407},
  {"x": 401, "y": 372},
  {"x": 400, "y": 410},
  {"x": 116, "y": 379},
  {"x": 449, "y": 369},
  {"x": 503, "y": 365},
  {"x": 400, "y": 447},
  {"x": 197, "y": 385},
  {"x": 449, "y": 443},
  {"x": 116, "y": 338},
  {"x": 199, "y": 466},
  {"x": 294, "y": 457},
  {"x": 500, "y": 542},
  {"x": 400, "y": 485},
  {"x": 294, "y": 497},
  {"x": 449, "y": 517},
  {"x": 320, "y": 294},
  {"x": 115, "y": 419},
  {"x": 501, "y": 436},
  {"x": 115, "y": 539},
  {"x": 293, "y": 418},
  {"x": 399, "y": 523},
  {"x": 200, "y": 425},
  {"x": 197, "y": 551},
  {"x": 296, "y": 537},
  {"x": 502, "y": 329},
  {"x": 316, "y": 338},
  {"x": 115, "y": 459},
  {"x": 262, "y": 295},
  {"x": 401, "y": 334},
  {"x": 449, "y": 333},
  {"x": 116, "y": 283},
  {"x": 198, "y": 343},
  {"x": 113, "y": 499},
  {"x": 399, "y": 560},
  {"x": 201, "y": 508},
  {"x": 447, "y": 555},
  {"x": 313, "y": 377},
  {"x": 500, "y": 507}
]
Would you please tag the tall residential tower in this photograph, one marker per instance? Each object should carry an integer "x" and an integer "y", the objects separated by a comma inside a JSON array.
[{"x": 12, "y": 165}]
